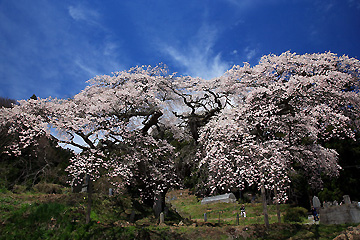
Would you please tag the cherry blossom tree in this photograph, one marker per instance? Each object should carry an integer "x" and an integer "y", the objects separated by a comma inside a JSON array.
[
  {"x": 35, "y": 161},
  {"x": 118, "y": 121},
  {"x": 110, "y": 122},
  {"x": 292, "y": 104},
  {"x": 23, "y": 127},
  {"x": 254, "y": 125}
]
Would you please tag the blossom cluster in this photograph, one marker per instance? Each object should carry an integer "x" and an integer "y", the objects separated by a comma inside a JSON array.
[{"x": 291, "y": 104}]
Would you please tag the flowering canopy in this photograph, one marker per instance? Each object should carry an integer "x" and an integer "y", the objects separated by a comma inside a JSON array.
[
  {"x": 257, "y": 123},
  {"x": 109, "y": 122},
  {"x": 291, "y": 104}
]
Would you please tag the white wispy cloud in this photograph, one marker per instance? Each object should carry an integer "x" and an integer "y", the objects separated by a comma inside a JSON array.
[
  {"x": 82, "y": 13},
  {"x": 354, "y": 3},
  {"x": 100, "y": 57},
  {"x": 51, "y": 55},
  {"x": 198, "y": 57},
  {"x": 244, "y": 5},
  {"x": 250, "y": 53},
  {"x": 328, "y": 6}
]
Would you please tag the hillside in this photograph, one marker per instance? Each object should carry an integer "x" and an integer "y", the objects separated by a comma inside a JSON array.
[{"x": 34, "y": 215}]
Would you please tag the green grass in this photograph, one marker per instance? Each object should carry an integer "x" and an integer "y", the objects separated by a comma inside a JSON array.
[
  {"x": 300, "y": 232},
  {"x": 188, "y": 206},
  {"x": 62, "y": 216}
]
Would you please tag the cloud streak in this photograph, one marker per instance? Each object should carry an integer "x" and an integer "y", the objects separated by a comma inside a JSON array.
[
  {"x": 354, "y": 3},
  {"x": 250, "y": 53},
  {"x": 52, "y": 53},
  {"x": 81, "y": 13},
  {"x": 51, "y": 48},
  {"x": 198, "y": 57},
  {"x": 244, "y": 5}
]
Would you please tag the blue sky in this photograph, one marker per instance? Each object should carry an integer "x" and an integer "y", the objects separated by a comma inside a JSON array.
[{"x": 51, "y": 48}]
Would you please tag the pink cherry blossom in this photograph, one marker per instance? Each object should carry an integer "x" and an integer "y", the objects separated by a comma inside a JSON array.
[{"x": 290, "y": 104}]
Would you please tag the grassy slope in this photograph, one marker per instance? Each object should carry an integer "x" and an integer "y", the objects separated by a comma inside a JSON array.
[
  {"x": 190, "y": 207},
  {"x": 61, "y": 216}
]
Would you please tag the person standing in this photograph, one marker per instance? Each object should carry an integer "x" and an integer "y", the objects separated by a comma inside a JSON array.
[
  {"x": 314, "y": 213},
  {"x": 242, "y": 211}
]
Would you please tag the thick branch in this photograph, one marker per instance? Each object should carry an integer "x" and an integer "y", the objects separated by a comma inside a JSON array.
[
  {"x": 154, "y": 119},
  {"x": 74, "y": 144}
]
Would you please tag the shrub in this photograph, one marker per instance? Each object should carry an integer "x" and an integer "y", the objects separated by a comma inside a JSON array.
[
  {"x": 19, "y": 189},
  {"x": 3, "y": 190},
  {"x": 295, "y": 214},
  {"x": 48, "y": 188}
]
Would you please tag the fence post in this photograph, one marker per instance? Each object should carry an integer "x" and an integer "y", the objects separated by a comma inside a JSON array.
[{"x": 205, "y": 217}]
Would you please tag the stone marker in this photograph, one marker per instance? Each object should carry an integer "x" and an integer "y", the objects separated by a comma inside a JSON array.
[
  {"x": 205, "y": 217},
  {"x": 85, "y": 186},
  {"x": 347, "y": 199},
  {"x": 316, "y": 202},
  {"x": 132, "y": 216},
  {"x": 341, "y": 214},
  {"x": 162, "y": 218},
  {"x": 227, "y": 198}
]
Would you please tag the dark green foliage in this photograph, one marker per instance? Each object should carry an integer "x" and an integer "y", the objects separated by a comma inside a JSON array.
[
  {"x": 109, "y": 209},
  {"x": 295, "y": 214},
  {"x": 300, "y": 191},
  {"x": 44, "y": 162},
  {"x": 19, "y": 189},
  {"x": 48, "y": 188},
  {"x": 33, "y": 97},
  {"x": 333, "y": 188},
  {"x": 332, "y": 193},
  {"x": 348, "y": 181},
  {"x": 7, "y": 102}
]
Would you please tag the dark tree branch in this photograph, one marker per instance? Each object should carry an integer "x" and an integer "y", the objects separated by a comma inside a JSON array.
[{"x": 154, "y": 120}]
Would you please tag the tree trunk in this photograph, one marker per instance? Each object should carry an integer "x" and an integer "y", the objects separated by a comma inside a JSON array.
[
  {"x": 159, "y": 203},
  {"x": 89, "y": 202},
  {"x": 277, "y": 206},
  {"x": 266, "y": 216}
]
